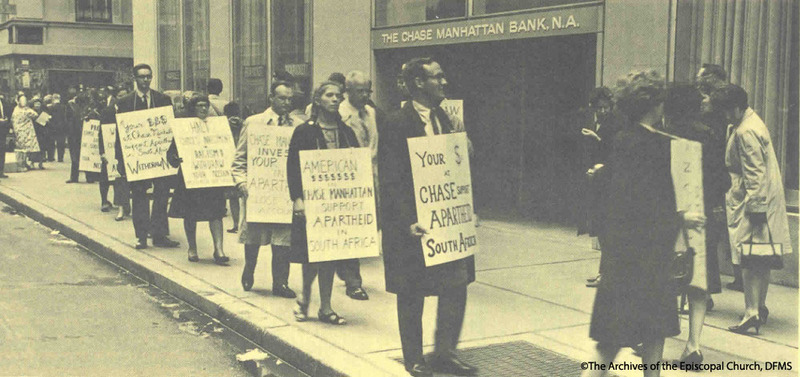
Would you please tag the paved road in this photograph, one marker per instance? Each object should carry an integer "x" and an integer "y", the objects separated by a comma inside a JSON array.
[{"x": 63, "y": 311}]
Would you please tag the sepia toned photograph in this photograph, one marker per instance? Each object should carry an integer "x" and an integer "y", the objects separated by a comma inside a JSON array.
[{"x": 368, "y": 188}]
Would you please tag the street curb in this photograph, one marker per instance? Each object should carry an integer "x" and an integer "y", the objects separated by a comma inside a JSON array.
[{"x": 305, "y": 351}]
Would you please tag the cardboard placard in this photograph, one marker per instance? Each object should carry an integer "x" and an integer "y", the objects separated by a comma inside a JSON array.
[
  {"x": 43, "y": 118},
  {"x": 443, "y": 192},
  {"x": 109, "y": 146},
  {"x": 90, "y": 160},
  {"x": 339, "y": 196},
  {"x": 207, "y": 150},
  {"x": 686, "y": 167},
  {"x": 268, "y": 198},
  {"x": 145, "y": 136}
]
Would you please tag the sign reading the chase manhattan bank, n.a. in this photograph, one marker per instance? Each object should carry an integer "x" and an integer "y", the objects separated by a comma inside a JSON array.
[{"x": 580, "y": 20}]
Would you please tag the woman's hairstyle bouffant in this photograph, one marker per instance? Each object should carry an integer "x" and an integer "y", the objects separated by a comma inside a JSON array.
[
  {"x": 191, "y": 105},
  {"x": 639, "y": 92},
  {"x": 683, "y": 101},
  {"x": 318, "y": 94}
]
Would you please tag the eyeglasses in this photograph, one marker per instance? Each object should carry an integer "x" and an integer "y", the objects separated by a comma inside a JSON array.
[
  {"x": 362, "y": 91},
  {"x": 144, "y": 76}
]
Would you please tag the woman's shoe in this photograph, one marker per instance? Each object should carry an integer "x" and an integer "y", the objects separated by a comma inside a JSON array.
[
  {"x": 233, "y": 230},
  {"x": 743, "y": 327},
  {"x": 763, "y": 313},
  {"x": 247, "y": 279},
  {"x": 221, "y": 260},
  {"x": 193, "y": 255},
  {"x": 331, "y": 318},
  {"x": 696, "y": 357},
  {"x": 301, "y": 311},
  {"x": 710, "y": 305}
]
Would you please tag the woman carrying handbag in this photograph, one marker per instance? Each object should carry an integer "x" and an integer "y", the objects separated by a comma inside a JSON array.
[{"x": 755, "y": 204}]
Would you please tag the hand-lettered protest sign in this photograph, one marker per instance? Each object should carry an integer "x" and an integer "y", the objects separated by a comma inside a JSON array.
[
  {"x": 145, "y": 136},
  {"x": 686, "y": 166},
  {"x": 207, "y": 149},
  {"x": 339, "y": 196},
  {"x": 43, "y": 118},
  {"x": 90, "y": 147},
  {"x": 443, "y": 191},
  {"x": 267, "y": 190},
  {"x": 109, "y": 132}
]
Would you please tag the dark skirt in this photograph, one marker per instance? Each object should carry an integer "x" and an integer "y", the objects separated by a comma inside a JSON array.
[
  {"x": 633, "y": 304},
  {"x": 202, "y": 204}
]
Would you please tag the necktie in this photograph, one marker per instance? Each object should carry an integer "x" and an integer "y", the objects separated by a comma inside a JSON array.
[
  {"x": 434, "y": 121},
  {"x": 282, "y": 120}
]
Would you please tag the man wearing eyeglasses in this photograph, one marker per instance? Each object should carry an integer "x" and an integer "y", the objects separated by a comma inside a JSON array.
[
  {"x": 144, "y": 221},
  {"x": 254, "y": 235},
  {"x": 406, "y": 274}
]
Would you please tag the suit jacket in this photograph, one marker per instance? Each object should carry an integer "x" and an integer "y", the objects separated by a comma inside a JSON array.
[
  {"x": 5, "y": 125},
  {"x": 402, "y": 253}
]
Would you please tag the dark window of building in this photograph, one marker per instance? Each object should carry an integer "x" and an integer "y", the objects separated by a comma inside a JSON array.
[
  {"x": 497, "y": 6},
  {"x": 291, "y": 41},
  {"x": 196, "y": 53},
  {"x": 169, "y": 45},
  {"x": 250, "y": 28},
  {"x": 403, "y": 12},
  {"x": 93, "y": 10},
  {"x": 26, "y": 35}
]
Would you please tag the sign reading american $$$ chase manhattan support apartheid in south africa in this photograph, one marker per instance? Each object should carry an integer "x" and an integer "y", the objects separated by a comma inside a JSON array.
[
  {"x": 145, "y": 137},
  {"x": 207, "y": 149},
  {"x": 548, "y": 23},
  {"x": 339, "y": 198},
  {"x": 443, "y": 191}
]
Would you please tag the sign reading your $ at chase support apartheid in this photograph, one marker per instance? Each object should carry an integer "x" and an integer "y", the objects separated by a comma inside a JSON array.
[
  {"x": 580, "y": 20},
  {"x": 443, "y": 191},
  {"x": 207, "y": 149},
  {"x": 268, "y": 199},
  {"x": 145, "y": 136},
  {"x": 339, "y": 197},
  {"x": 90, "y": 147},
  {"x": 686, "y": 166},
  {"x": 109, "y": 132}
]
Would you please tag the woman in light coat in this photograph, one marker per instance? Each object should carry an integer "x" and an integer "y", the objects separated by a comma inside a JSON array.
[{"x": 755, "y": 204}]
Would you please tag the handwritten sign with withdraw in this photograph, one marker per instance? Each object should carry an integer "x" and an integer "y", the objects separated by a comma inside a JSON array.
[
  {"x": 207, "y": 149},
  {"x": 339, "y": 196},
  {"x": 145, "y": 136},
  {"x": 90, "y": 147},
  {"x": 109, "y": 132},
  {"x": 443, "y": 191},
  {"x": 268, "y": 198}
]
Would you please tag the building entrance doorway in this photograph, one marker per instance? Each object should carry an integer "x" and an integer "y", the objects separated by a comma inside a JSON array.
[{"x": 518, "y": 98}]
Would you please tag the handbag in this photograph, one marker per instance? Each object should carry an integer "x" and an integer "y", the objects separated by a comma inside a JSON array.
[
  {"x": 681, "y": 267},
  {"x": 762, "y": 254}
]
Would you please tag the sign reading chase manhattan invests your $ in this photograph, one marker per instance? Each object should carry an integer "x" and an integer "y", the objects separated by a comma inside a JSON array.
[{"x": 443, "y": 191}]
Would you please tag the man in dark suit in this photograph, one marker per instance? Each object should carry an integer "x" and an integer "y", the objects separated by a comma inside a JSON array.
[
  {"x": 144, "y": 220},
  {"x": 5, "y": 126},
  {"x": 406, "y": 274}
]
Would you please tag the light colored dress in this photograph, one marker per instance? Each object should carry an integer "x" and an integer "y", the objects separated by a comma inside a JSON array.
[{"x": 24, "y": 131}]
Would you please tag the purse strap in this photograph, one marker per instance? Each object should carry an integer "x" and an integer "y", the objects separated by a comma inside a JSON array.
[
  {"x": 771, "y": 243},
  {"x": 685, "y": 234}
]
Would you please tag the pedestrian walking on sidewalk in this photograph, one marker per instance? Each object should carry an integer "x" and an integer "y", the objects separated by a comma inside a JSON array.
[
  {"x": 406, "y": 273},
  {"x": 634, "y": 304},
  {"x": 5, "y": 127},
  {"x": 97, "y": 111},
  {"x": 198, "y": 204},
  {"x": 41, "y": 135},
  {"x": 362, "y": 118},
  {"x": 24, "y": 132},
  {"x": 144, "y": 221},
  {"x": 254, "y": 235},
  {"x": 681, "y": 113},
  {"x": 598, "y": 124},
  {"x": 74, "y": 127},
  {"x": 755, "y": 202},
  {"x": 324, "y": 130}
]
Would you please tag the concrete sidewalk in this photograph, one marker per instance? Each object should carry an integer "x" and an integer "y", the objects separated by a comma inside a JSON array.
[{"x": 529, "y": 291}]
